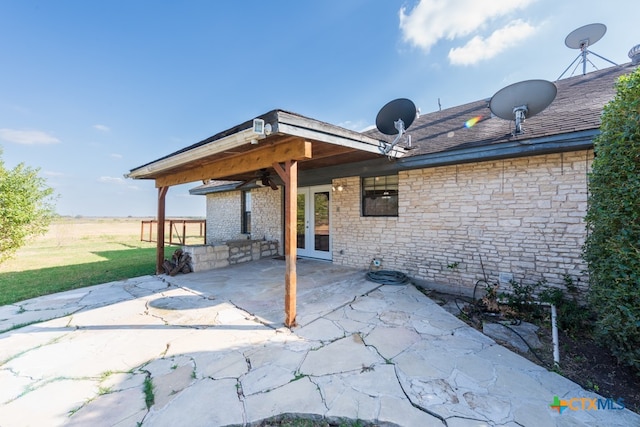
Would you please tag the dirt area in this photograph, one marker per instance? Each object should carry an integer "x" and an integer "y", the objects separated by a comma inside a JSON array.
[
  {"x": 582, "y": 360},
  {"x": 593, "y": 367}
]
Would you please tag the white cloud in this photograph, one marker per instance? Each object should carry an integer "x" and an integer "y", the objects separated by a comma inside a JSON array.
[
  {"x": 111, "y": 180},
  {"x": 433, "y": 20},
  {"x": 27, "y": 137},
  {"x": 478, "y": 48},
  {"x": 115, "y": 155},
  {"x": 101, "y": 128}
]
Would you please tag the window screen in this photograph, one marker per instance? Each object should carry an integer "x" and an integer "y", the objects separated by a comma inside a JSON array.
[{"x": 380, "y": 196}]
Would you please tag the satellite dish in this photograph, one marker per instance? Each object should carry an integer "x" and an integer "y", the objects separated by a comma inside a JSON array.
[
  {"x": 522, "y": 100},
  {"x": 585, "y": 36},
  {"x": 394, "y": 119},
  {"x": 581, "y": 38},
  {"x": 398, "y": 109}
]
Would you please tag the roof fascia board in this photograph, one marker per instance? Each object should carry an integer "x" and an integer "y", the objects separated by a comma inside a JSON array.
[
  {"x": 312, "y": 129},
  {"x": 554, "y": 144},
  {"x": 378, "y": 167},
  {"x": 303, "y": 122},
  {"x": 309, "y": 134},
  {"x": 214, "y": 147},
  {"x": 568, "y": 142},
  {"x": 217, "y": 189},
  {"x": 286, "y": 123}
]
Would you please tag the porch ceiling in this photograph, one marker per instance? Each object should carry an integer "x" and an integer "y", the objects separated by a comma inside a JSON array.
[{"x": 236, "y": 154}]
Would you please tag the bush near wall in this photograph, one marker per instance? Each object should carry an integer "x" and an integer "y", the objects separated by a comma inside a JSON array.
[{"x": 612, "y": 248}]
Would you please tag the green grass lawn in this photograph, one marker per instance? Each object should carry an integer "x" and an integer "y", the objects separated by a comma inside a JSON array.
[
  {"x": 117, "y": 265},
  {"x": 76, "y": 253}
]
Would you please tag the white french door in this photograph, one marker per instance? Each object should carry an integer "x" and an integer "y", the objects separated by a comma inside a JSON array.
[{"x": 313, "y": 225}]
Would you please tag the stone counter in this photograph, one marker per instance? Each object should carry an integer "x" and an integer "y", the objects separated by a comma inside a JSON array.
[{"x": 222, "y": 254}]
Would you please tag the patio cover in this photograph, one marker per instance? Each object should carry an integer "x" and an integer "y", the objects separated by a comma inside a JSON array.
[{"x": 279, "y": 141}]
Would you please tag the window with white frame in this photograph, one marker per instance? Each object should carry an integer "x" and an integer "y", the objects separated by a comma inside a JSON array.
[{"x": 380, "y": 196}]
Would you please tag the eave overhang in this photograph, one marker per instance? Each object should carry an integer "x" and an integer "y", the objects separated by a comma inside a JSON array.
[
  {"x": 575, "y": 141},
  {"x": 329, "y": 144}
]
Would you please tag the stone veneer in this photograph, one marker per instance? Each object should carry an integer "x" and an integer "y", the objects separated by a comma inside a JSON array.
[
  {"x": 226, "y": 244},
  {"x": 224, "y": 212},
  {"x": 522, "y": 217},
  {"x": 207, "y": 257}
]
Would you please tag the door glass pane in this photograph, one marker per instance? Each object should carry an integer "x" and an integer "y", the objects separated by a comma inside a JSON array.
[
  {"x": 246, "y": 212},
  {"x": 321, "y": 221},
  {"x": 301, "y": 221}
]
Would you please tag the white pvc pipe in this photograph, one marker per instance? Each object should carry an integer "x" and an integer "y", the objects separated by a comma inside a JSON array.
[
  {"x": 554, "y": 331},
  {"x": 554, "y": 335}
]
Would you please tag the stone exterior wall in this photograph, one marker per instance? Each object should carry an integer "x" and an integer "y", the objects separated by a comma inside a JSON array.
[
  {"x": 266, "y": 214},
  {"x": 224, "y": 216},
  {"x": 521, "y": 218},
  {"x": 518, "y": 218},
  {"x": 250, "y": 250},
  {"x": 207, "y": 257}
]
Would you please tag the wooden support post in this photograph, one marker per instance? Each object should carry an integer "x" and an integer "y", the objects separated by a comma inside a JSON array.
[
  {"x": 162, "y": 192},
  {"x": 289, "y": 174}
]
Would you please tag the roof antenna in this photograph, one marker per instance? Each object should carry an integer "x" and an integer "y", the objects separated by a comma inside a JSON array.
[
  {"x": 439, "y": 105},
  {"x": 581, "y": 38},
  {"x": 395, "y": 118}
]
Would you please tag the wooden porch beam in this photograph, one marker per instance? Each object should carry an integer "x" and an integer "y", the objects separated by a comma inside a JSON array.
[
  {"x": 162, "y": 193},
  {"x": 262, "y": 157},
  {"x": 289, "y": 175}
]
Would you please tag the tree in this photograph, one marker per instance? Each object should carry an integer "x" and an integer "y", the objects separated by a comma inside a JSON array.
[
  {"x": 612, "y": 248},
  {"x": 26, "y": 207}
]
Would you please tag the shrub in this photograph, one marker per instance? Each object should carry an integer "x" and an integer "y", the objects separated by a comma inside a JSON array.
[
  {"x": 26, "y": 207},
  {"x": 522, "y": 299},
  {"x": 612, "y": 248},
  {"x": 574, "y": 318}
]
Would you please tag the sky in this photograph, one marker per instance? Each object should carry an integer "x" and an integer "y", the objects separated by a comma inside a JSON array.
[{"x": 92, "y": 89}]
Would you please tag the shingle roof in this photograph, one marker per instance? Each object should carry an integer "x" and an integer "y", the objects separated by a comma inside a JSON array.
[{"x": 577, "y": 107}]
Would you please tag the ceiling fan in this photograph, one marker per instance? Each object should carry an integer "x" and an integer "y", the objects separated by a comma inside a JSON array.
[{"x": 263, "y": 180}]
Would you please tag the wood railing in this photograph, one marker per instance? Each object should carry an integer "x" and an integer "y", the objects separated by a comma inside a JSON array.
[{"x": 176, "y": 231}]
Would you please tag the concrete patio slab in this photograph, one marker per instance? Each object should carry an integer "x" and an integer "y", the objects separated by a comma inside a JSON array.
[{"x": 210, "y": 349}]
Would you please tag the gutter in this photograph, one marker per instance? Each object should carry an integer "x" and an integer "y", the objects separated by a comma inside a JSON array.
[
  {"x": 312, "y": 129},
  {"x": 214, "y": 147},
  {"x": 552, "y": 144},
  {"x": 575, "y": 141},
  {"x": 282, "y": 123},
  {"x": 201, "y": 190}
]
